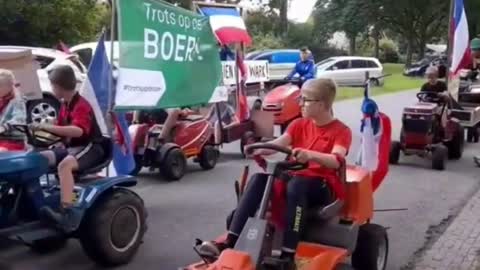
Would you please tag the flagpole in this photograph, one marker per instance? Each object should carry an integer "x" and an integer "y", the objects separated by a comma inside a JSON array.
[
  {"x": 449, "y": 45},
  {"x": 110, "y": 81}
]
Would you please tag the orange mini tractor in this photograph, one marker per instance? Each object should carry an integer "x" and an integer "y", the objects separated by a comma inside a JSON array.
[{"x": 333, "y": 233}]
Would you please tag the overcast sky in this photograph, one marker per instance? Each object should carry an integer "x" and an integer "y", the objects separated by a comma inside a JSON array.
[{"x": 299, "y": 10}]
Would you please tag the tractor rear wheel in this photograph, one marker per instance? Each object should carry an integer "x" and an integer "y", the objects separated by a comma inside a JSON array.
[
  {"x": 113, "y": 228},
  {"x": 395, "y": 149},
  {"x": 455, "y": 146},
  {"x": 439, "y": 156},
  {"x": 371, "y": 252}
]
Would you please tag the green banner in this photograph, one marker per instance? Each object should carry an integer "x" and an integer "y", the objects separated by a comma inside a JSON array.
[{"x": 169, "y": 57}]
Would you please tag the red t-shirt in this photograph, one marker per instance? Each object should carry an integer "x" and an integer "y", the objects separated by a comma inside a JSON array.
[
  {"x": 306, "y": 134},
  {"x": 78, "y": 113}
]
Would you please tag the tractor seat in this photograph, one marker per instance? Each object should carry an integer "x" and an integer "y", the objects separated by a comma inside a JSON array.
[{"x": 101, "y": 163}]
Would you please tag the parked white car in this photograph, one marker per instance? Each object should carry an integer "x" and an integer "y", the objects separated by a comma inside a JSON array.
[
  {"x": 350, "y": 70},
  {"x": 46, "y": 109}
]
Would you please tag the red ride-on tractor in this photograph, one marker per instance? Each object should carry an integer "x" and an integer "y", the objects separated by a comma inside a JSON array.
[
  {"x": 192, "y": 137},
  {"x": 283, "y": 102},
  {"x": 428, "y": 130}
]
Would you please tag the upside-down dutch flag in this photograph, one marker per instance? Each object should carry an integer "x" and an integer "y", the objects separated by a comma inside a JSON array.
[
  {"x": 375, "y": 141},
  {"x": 95, "y": 89},
  {"x": 461, "y": 55},
  {"x": 228, "y": 25}
]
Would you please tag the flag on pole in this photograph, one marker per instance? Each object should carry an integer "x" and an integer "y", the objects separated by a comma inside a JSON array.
[
  {"x": 461, "y": 55},
  {"x": 227, "y": 24},
  {"x": 375, "y": 141},
  {"x": 243, "y": 112},
  {"x": 96, "y": 89}
]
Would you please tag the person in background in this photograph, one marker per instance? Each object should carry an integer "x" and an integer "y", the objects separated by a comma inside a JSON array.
[
  {"x": 12, "y": 111},
  {"x": 433, "y": 84},
  {"x": 305, "y": 68},
  {"x": 226, "y": 54}
]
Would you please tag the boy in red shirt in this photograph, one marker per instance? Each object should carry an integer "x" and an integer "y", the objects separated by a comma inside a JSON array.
[
  {"x": 81, "y": 135},
  {"x": 317, "y": 139}
]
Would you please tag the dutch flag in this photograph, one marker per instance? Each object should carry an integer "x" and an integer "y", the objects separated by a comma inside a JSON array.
[
  {"x": 461, "y": 56},
  {"x": 228, "y": 25},
  {"x": 95, "y": 90}
]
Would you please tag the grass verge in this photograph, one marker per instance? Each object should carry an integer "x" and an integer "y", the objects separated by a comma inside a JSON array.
[{"x": 394, "y": 83}]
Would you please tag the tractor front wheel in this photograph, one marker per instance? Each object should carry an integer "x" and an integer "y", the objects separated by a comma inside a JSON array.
[
  {"x": 208, "y": 157},
  {"x": 174, "y": 164},
  {"x": 439, "y": 156},
  {"x": 371, "y": 252},
  {"x": 395, "y": 149}
]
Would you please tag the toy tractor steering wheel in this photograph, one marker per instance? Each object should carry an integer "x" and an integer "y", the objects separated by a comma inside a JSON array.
[
  {"x": 287, "y": 164},
  {"x": 429, "y": 96},
  {"x": 37, "y": 138}
]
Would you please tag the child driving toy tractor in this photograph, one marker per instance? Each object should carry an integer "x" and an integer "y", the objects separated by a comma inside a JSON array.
[
  {"x": 323, "y": 211},
  {"x": 77, "y": 125},
  {"x": 428, "y": 127}
]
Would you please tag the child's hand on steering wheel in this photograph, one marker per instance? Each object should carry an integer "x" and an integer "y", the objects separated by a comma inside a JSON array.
[
  {"x": 301, "y": 155},
  {"x": 36, "y": 126}
]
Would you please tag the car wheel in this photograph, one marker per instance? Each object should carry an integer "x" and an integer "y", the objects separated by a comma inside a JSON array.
[{"x": 43, "y": 110}]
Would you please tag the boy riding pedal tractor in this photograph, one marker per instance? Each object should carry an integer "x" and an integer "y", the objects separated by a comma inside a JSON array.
[
  {"x": 317, "y": 139},
  {"x": 76, "y": 124}
]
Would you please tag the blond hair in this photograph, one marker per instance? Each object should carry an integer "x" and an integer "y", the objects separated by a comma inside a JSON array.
[
  {"x": 6, "y": 78},
  {"x": 322, "y": 89}
]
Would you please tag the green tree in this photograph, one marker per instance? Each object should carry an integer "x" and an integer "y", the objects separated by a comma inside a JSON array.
[{"x": 45, "y": 22}]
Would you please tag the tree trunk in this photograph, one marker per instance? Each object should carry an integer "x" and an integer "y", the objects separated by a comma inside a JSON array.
[
  {"x": 377, "y": 41},
  {"x": 284, "y": 18},
  {"x": 353, "y": 44},
  {"x": 409, "y": 50}
]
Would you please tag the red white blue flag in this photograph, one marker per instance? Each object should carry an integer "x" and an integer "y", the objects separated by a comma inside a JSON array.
[
  {"x": 461, "y": 56},
  {"x": 96, "y": 89},
  {"x": 228, "y": 25}
]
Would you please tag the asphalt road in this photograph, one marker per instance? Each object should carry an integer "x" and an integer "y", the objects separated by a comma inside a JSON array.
[{"x": 197, "y": 205}]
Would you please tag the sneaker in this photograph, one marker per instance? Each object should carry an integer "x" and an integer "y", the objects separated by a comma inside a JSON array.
[
  {"x": 66, "y": 219},
  {"x": 211, "y": 248}
]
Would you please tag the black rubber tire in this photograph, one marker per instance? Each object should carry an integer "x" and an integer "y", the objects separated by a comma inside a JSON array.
[
  {"x": 371, "y": 239},
  {"x": 395, "y": 149},
  {"x": 46, "y": 99},
  {"x": 470, "y": 135},
  {"x": 208, "y": 157},
  {"x": 97, "y": 228},
  {"x": 455, "y": 146},
  {"x": 138, "y": 165},
  {"x": 439, "y": 156},
  {"x": 476, "y": 134},
  {"x": 174, "y": 165},
  {"x": 49, "y": 244},
  {"x": 257, "y": 105},
  {"x": 247, "y": 138}
]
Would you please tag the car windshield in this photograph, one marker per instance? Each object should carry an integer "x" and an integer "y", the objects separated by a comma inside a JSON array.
[{"x": 324, "y": 63}]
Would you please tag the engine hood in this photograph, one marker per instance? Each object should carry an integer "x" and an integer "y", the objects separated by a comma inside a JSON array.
[{"x": 280, "y": 93}]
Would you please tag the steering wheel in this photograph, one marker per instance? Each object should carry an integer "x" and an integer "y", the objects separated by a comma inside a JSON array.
[
  {"x": 287, "y": 164},
  {"x": 429, "y": 96},
  {"x": 37, "y": 138}
]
